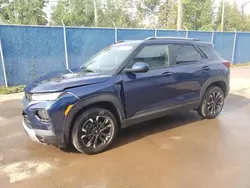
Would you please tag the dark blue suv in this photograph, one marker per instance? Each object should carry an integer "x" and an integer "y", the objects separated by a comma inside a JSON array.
[{"x": 126, "y": 83}]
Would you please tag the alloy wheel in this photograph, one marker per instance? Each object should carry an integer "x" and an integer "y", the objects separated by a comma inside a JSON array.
[
  {"x": 215, "y": 102},
  {"x": 97, "y": 131}
]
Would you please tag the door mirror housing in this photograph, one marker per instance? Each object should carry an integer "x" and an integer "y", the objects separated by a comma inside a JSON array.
[{"x": 138, "y": 67}]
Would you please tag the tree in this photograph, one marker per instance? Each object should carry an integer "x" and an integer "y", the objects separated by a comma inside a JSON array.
[
  {"x": 198, "y": 14},
  {"x": 93, "y": 13},
  {"x": 73, "y": 13},
  {"x": 167, "y": 15},
  {"x": 207, "y": 16},
  {"x": 117, "y": 12},
  {"x": 146, "y": 11},
  {"x": 23, "y": 12},
  {"x": 233, "y": 18}
]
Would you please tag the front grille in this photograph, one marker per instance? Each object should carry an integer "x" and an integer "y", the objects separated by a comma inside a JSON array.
[{"x": 28, "y": 96}]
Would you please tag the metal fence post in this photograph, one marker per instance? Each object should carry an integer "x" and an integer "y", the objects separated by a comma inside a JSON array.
[
  {"x": 212, "y": 37},
  {"x": 234, "y": 45},
  {"x": 186, "y": 31},
  {"x": 155, "y": 30},
  {"x": 3, "y": 64},
  {"x": 65, "y": 47},
  {"x": 116, "y": 33}
]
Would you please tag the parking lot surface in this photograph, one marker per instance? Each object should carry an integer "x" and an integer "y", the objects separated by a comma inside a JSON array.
[{"x": 180, "y": 150}]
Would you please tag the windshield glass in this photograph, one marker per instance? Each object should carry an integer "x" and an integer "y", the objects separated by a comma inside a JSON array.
[{"x": 109, "y": 59}]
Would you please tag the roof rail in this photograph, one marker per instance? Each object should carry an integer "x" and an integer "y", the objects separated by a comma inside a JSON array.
[
  {"x": 120, "y": 41},
  {"x": 171, "y": 38}
]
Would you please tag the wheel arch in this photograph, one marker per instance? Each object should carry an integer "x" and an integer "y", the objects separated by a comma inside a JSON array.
[
  {"x": 220, "y": 81},
  {"x": 107, "y": 101}
]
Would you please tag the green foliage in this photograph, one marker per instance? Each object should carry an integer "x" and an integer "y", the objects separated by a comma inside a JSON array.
[
  {"x": 73, "y": 13},
  {"x": 23, "y": 12},
  {"x": 114, "y": 13},
  {"x": 79, "y": 13},
  {"x": 197, "y": 14},
  {"x": 207, "y": 15},
  {"x": 167, "y": 15},
  {"x": 10, "y": 90},
  {"x": 233, "y": 18}
]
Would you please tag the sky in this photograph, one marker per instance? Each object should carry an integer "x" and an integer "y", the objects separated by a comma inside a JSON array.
[{"x": 239, "y": 2}]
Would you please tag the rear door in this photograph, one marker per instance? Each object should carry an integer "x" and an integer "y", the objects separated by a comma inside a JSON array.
[{"x": 189, "y": 66}]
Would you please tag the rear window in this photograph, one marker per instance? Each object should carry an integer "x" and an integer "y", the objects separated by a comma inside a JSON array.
[{"x": 209, "y": 52}]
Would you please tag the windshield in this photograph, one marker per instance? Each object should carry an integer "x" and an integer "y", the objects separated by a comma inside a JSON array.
[{"x": 109, "y": 59}]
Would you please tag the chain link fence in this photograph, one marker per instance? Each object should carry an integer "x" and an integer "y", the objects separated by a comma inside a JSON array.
[{"x": 32, "y": 51}]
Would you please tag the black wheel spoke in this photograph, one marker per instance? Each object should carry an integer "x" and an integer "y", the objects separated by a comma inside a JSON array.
[
  {"x": 215, "y": 102},
  {"x": 97, "y": 120},
  {"x": 103, "y": 140},
  {"x": 90, "y": 141},
  {"x": 83, "y": 136},
  {"x": 105, "y": 127},
  {"x": 96, "y": 131},
  {"x": 105, "y": 121},
  {"x": 95, "y": 142},
  {"x": 106, "y": 135},
  {"x": 214, "y": 109}
]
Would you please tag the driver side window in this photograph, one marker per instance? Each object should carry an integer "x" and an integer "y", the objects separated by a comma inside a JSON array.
[{"x": 156, "y": 56}]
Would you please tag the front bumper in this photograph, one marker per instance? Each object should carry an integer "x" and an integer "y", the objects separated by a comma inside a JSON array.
[
  {"x": 44, "y": 136},
  {"x": 51, "y": 132}
]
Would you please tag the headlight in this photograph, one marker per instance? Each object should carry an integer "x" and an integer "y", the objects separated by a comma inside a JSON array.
[
  {"x": 46, "y": 96},
  {"x": 43, "y": 115}
]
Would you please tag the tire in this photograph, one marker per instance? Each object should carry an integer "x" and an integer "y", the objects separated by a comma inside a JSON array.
[
  {"x": 212, "y": 103},
  {"x": 94, "y": 131}
]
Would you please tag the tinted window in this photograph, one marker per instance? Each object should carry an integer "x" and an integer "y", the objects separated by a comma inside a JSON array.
[
  {"x": 184, "y": 54},
  {"x": 155, "y": 56},
  {"x": 209, "y": 52}
]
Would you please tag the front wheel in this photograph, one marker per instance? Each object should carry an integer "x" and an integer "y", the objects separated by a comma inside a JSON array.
[
  {"x": 212, "y": 103},
  {"x": 94, "y": 131}
]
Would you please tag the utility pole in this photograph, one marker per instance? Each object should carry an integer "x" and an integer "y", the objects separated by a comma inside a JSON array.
[
  {"x": 180, "y": 15},
  {"x": 223, "y": 15},
  {"x": 95, "y": 13}
]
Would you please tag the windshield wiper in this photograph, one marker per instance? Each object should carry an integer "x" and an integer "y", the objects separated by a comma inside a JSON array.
[{"x": 88, "y": 70}]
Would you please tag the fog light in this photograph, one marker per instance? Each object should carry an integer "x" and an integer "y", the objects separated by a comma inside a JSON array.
[{"x": 43, "y": 115}]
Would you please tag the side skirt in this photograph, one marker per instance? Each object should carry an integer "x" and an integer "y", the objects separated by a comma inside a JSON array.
[{"x": 159, "y": 112}]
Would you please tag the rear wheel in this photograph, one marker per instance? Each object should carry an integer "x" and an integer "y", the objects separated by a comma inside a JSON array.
[
  {"x": 212, "y": 103},
  {"x": 94, "y": 131}
]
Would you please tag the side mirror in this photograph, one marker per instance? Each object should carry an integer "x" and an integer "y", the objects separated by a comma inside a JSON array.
[{"x": 138, "y": 67}]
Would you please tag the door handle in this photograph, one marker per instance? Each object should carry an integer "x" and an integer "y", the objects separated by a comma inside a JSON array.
[
  {"x": 206, "y": 68},
  {"x": 167, "y": 74}
]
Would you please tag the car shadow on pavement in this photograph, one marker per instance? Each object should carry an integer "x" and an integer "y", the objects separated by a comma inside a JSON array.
[{"x": 138, "y": 131}]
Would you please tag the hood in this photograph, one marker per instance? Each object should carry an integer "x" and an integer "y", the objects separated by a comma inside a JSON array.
[{"x": 59, "y": 81}]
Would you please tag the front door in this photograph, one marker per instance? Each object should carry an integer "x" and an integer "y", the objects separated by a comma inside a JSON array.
[{"x": 153, "y": 89}]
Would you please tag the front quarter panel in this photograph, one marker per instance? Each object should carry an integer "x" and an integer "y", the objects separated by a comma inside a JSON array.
[{"x": 109, "y": 91}]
